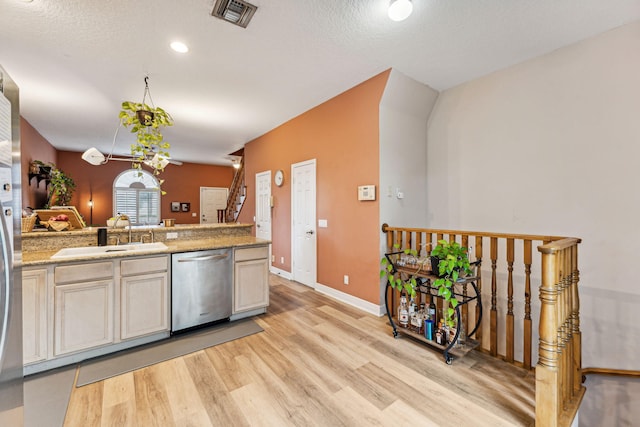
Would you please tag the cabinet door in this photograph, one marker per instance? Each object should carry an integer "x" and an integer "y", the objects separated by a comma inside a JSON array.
[
  {"x": 251, "y": 285},
  {"x": 83, "y": 316},
  {"x": 144, "y": 305},
  {"x": 34, "y": 315}
]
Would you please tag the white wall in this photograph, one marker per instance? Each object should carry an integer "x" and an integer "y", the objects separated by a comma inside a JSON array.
[
  {"x": 552, "y": 146},
  {"x": 404, "y": 110}
]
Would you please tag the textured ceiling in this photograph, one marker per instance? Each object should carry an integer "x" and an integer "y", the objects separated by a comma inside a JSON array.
[{"x": 75, "y": 61}]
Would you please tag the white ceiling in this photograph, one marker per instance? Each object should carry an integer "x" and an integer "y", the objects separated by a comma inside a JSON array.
[{"x": 75, "y": 61}]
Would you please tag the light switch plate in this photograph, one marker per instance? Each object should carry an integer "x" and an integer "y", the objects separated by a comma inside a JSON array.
[{"x": 322, "y": 223}]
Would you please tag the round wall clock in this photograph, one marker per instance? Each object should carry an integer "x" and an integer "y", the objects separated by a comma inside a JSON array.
[{"x": 279, "y": 177}]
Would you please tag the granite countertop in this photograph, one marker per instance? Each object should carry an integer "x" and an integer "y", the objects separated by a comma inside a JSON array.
[{"x": 31, "y": 258}]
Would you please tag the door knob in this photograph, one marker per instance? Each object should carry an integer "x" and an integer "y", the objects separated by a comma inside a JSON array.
[{"x": 310, "y": 232}]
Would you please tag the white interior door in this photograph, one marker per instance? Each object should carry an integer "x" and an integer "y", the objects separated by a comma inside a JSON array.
[
  {"x": 212, "y": 199},
  {"x": 303, "y": 215},
  {"x": 263, "y": 205}
]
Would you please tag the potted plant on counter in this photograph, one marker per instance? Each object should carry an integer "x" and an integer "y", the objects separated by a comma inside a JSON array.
[{"x": 61, "y": 188}]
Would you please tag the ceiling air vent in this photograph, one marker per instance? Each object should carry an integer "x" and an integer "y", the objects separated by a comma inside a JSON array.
[{"x": 235, "y": 11}]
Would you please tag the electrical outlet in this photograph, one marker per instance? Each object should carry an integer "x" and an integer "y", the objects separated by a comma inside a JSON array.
[
  {"x": 346, "y": 279},
  {"x": 194, "y": 214},
  {"x": 172, "y": 235},
  {"x": 273, "y": 258},
  {"x": 281, "y": 260}
]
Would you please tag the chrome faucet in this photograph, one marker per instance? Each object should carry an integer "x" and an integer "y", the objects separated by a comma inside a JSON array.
[
  {"x": 151, "y": 234},
  {"x": 115, "y": 224}
]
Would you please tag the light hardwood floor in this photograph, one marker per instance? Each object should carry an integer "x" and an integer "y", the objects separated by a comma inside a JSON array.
[{"x": 318, "y": 363}]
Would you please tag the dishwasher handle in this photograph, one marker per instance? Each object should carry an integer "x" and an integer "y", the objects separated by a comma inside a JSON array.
[{"x": 204, "y": 258}]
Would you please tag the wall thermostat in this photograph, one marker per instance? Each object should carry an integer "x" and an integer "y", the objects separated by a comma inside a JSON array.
[{"x": 367, "y": 192}]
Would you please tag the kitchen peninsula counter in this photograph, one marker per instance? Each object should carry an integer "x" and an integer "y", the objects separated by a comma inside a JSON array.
[
  {"x": 39, "y": 246},
  {"x": 84, "y": 306}
]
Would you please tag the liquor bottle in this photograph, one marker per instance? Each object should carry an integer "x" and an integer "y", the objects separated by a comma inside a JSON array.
[
  {"x": 403, "y": 312},
  {"x": 412, "y": 307},
  {"x": 432, "y": 311},
  {"x": 416, "y": 322},
  {"x": 446, "y": 333},
  {"x": 438, "y": 335}
]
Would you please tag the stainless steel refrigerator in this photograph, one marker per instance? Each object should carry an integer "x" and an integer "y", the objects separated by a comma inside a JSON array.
[{"x": 11, "y": 374}]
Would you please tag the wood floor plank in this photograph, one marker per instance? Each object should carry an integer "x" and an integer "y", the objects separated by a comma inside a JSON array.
[
  {"x": 318, "y": 362},
  {"x": 118, "y": 405},
  {"x": 184, "y": 400},
  {"x": 85, "y": 406},
  {"x": 221, "y": 408},
  {"x": 152, "y": 403}
]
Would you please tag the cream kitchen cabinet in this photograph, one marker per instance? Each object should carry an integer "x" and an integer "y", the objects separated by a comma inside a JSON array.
[
  {"x": 144, "y": 296},
  {"x": 34, "y": 314},
  {"x": 251, "y": 279},
  {"x": 83, "y": 306}
]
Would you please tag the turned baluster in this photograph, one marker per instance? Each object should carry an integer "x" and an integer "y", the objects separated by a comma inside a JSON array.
[
  {"x": 493, "y": 345},
  {"x": 526, "y": 356},
  {"x": 510, "y": 320}
]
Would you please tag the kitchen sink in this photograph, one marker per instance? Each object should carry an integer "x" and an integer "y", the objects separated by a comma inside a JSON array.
[{"x": 93, "y": 251}]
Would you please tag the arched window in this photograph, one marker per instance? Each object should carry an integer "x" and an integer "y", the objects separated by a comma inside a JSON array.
[{"x": 137, "y": 194}]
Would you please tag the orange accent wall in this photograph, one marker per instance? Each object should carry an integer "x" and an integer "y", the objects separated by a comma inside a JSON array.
[
  {"x": 342, "y": 134},
  {"x": 33, "y": 146},
  {"x": 182, "y": 184}
]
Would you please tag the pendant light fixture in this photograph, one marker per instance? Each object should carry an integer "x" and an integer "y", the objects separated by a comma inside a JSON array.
[{"x": 399, "y": 10}]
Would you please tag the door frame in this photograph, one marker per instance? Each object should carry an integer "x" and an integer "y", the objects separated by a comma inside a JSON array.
[
  {"x": 201, "y": 204},
  {"x": 266, "y": 174}
]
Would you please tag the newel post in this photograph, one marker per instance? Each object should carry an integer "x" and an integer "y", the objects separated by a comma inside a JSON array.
[{"x": 547, "y": 369}]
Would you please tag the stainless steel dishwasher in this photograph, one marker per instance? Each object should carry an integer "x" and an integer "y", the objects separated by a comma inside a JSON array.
[{"x": 201, "y": 288}]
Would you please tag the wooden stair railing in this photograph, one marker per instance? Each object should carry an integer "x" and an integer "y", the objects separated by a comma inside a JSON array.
[
  {"x": 508, "y": 329},
  {"x": 237, "y": 195},
  {"x": 559, "y": 388}
]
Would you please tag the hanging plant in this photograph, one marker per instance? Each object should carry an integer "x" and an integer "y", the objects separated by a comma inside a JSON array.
[{"x": 147, "y": 121}]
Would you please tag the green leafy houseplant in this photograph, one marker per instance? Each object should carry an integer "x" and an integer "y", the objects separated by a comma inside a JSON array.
[
  {"x": 147, "y": 123},
  {"x": 453, "y": 263},
  {"x": 61, "y": 186},
  {"x": 387, "y": 271}
]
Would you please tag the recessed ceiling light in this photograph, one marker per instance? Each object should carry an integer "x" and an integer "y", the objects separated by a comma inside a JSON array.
[
  {"x": 399, "y": 10},
  {"x": 179, "y": 47}
]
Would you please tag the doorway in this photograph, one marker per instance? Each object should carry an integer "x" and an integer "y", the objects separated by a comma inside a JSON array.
[
  {"x": 211, "y": 200},
  {"x": 263, "y": 205},
  {"x": 303, "y": 229}
]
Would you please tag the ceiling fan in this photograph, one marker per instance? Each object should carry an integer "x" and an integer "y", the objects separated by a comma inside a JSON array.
[{"x": 95, "y": 157}]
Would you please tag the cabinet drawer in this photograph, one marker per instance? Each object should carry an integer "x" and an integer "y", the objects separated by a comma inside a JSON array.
[
  {"x": 130, "y": 267},
  {"x": 83, "y": 272},
  {"x": 246, "y": 254}
]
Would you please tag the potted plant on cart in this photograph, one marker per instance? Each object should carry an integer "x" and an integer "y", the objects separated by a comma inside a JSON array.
[{"x": 449, "y": 261}]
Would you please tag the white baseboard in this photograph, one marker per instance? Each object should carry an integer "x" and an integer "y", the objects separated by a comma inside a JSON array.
[
  {"x": 376, "y": 310},
  {"x": 281, "y": 273}
]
